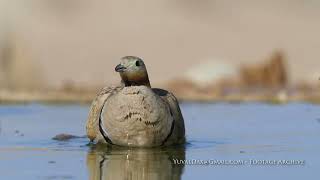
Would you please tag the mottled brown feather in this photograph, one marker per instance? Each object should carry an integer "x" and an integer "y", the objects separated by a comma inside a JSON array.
[
  {"x": 92, "y": 125},
  {"x": 178, "y": 134}
]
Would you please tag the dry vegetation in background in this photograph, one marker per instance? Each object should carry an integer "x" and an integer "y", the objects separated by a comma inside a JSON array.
[
  {"x": 64, "y": 51},
  {"x": 22, "y": 81}
]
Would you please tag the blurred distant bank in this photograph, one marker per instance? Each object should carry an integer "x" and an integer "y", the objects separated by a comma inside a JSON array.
[{"x": 65, "y": 50}]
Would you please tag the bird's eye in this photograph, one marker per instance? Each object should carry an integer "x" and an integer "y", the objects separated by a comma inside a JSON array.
[{"x": 138, "y": 63}]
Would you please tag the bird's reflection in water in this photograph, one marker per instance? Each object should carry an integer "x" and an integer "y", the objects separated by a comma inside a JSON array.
[{"x": 135, "y": 163}]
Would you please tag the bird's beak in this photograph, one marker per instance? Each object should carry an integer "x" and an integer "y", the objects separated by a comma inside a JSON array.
[{"x": 120, "y": 68}]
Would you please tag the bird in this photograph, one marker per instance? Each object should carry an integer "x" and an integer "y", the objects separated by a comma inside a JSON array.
[{"x": 134, "y": 114}]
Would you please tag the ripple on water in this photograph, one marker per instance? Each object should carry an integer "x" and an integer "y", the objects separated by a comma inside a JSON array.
[{"x": 260, "y": 131}]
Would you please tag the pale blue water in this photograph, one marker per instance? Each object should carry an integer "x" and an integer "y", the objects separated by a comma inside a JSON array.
[{"x": 218, "y": 131}]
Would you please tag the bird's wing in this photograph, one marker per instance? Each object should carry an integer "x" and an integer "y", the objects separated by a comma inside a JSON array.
[
  {"x": 178, "y": 133},
  {"x": 95, "y": 109}
]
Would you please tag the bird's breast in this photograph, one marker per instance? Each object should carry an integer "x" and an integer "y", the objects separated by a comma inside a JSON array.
[{"x": 136, "y": 116}]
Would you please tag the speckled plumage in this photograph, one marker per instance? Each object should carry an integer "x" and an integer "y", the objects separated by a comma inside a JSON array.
[{"x": 135, "y": 115}]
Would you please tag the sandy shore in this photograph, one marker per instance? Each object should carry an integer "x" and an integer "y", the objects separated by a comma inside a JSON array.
[
  {"x": 87, "y": 97},
  {"x": 45, "y": 97}
]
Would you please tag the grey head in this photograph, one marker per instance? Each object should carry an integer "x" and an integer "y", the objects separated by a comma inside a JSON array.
[{"x": 133, "y": 71}]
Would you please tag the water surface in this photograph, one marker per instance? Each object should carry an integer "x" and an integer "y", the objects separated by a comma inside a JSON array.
[{"x": 221, "y": 131}]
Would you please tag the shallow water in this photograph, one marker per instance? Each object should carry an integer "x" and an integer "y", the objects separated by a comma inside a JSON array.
[{"x": 221, "y": 131}]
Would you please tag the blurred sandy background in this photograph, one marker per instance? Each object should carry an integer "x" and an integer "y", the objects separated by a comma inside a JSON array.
[{"x": 48, "y": 43}]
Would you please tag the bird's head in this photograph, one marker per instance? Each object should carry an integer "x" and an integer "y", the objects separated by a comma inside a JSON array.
[{"x": 133, "y": 71}]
